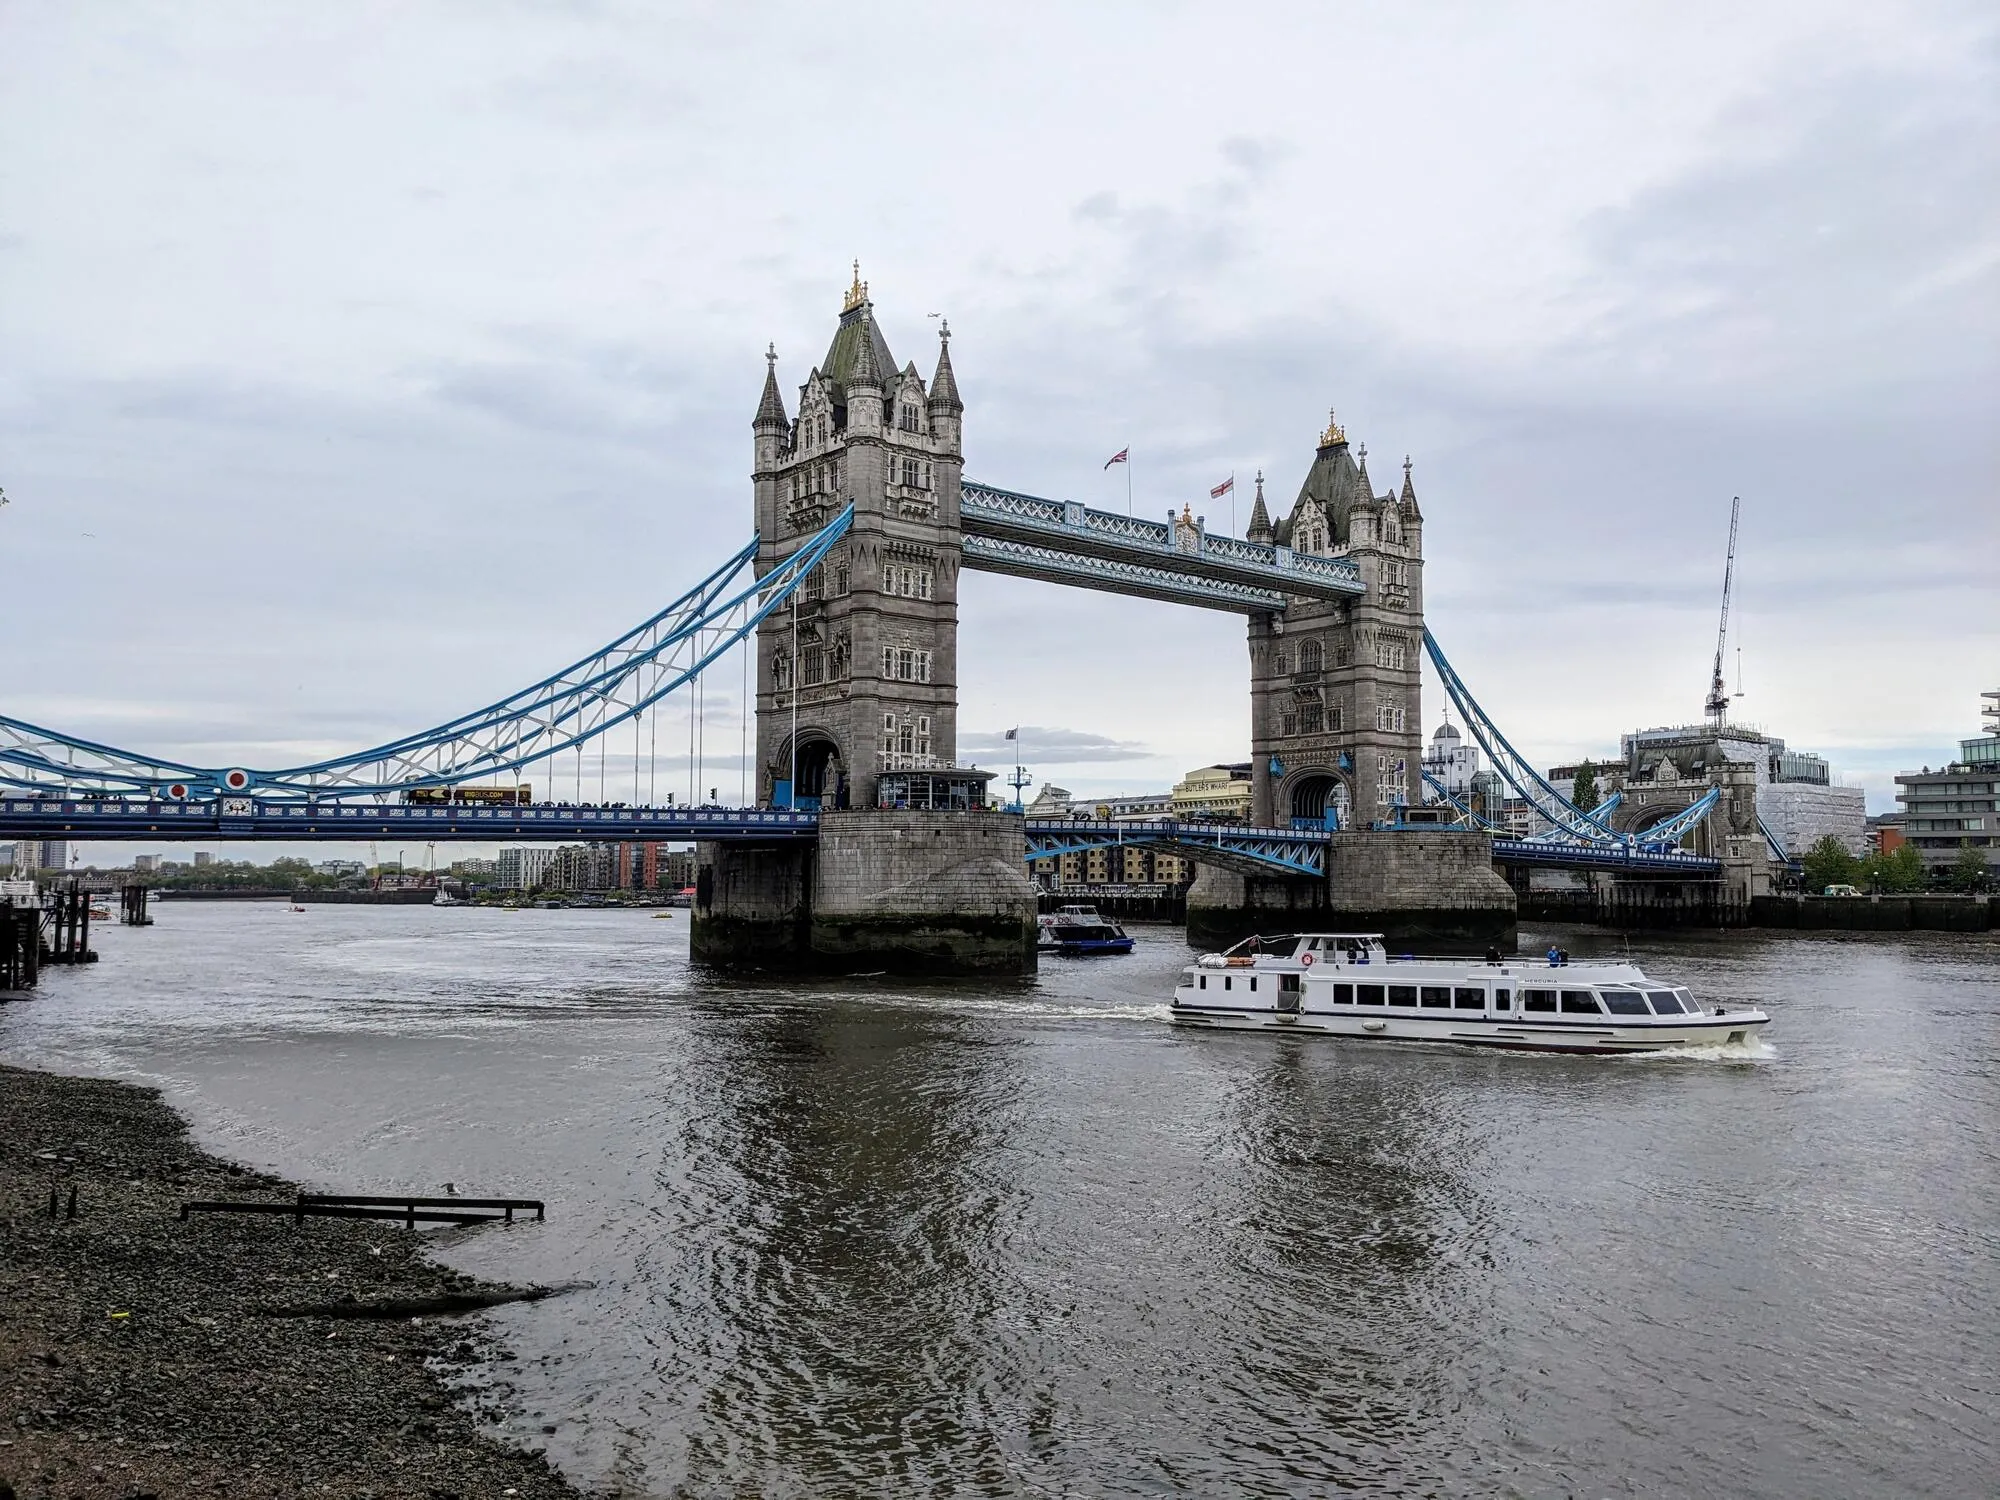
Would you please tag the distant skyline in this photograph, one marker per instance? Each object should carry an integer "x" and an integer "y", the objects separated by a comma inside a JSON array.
[{"x": 359, "y": 366}]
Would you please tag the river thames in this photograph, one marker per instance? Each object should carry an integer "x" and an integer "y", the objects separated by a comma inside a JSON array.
[{"x": 872, "y": 1237}]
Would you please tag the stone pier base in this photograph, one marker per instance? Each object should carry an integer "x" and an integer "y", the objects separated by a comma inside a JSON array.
[
  {"x": 1425, "y": 891},
  {"x": 910, "y": 892}
]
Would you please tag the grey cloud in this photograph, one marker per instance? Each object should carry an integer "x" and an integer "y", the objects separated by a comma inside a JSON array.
[{"x": 1058, "y": 747}]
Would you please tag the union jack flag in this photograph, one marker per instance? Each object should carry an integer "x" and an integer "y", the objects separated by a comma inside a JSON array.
[{"x": 1123, "y": 455}]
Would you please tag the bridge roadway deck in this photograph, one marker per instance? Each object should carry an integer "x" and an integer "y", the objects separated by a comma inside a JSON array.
[
  {"x": 1287, "y": 851},
  {"x": 256, "y": 818}
]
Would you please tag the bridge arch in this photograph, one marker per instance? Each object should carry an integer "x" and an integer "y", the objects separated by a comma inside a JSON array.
[
  {"x": 1306, "y": 794},
  {"x": 823, "y": 777}
]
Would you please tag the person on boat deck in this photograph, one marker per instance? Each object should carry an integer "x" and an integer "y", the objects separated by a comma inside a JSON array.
[
  {"x": 1555, "y": 955},
  {"x": 1493, "y": 955}
]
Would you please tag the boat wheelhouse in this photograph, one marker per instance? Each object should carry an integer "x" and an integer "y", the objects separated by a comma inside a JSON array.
[{"x": 1346, "y": 984}]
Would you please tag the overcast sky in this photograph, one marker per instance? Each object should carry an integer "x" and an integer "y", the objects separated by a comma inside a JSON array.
[{"x": 360, "y": 364}]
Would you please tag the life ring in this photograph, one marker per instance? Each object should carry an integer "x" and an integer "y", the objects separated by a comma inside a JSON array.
[{"x": 1307, "y": 960}]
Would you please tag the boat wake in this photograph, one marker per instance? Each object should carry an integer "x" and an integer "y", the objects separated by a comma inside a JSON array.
[{"x": 1752, "y": 1049}]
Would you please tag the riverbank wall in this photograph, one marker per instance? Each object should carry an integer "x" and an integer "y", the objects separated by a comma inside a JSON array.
[{"x": 1642, "y": 908}]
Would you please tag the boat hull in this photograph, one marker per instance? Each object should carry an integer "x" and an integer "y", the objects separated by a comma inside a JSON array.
[{"x": 1516, "y": 1034}]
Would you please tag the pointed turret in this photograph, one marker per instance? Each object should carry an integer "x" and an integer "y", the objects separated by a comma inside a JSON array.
[
  {"x": 947, "y": 412},
  {"x": 1260, "y": 518},
  {"x": 1409, "y": 495},
  {"x": 864, "y": 371},
  {"x": 1364, "y": 490},
  {"x": 944, "y": 385},
  {"x": 771, "y": 410}
]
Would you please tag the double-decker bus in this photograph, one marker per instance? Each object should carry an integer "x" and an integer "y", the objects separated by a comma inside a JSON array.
[{"x": 471, "y": 796}]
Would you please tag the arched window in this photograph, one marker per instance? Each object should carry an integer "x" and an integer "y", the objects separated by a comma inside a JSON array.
[{"x": 1311, "y": 659}]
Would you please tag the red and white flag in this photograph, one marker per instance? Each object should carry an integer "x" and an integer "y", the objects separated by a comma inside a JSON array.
[
  {"x": 1223, "y": 488},
  {"x": 1123, "y": 455}
]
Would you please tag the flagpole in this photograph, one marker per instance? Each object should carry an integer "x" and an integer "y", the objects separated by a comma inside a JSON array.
[
  {"x": 1128, "y": 479},
  {"x": 1232, "y": 502}
]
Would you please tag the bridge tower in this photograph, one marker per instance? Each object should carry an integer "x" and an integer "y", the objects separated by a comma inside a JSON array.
[
  {"x": 1336, "y": 730},
  {"x": 857, "y": 691},
  {"x": 863, "y": 667},
  {"x": 1334, "y": 721}
]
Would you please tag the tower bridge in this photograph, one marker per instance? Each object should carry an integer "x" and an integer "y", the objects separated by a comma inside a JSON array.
[{"x": 867, "y": 844}]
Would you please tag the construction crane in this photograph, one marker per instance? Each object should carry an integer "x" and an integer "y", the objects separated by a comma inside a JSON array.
[{"x": 1718, "y": 691}]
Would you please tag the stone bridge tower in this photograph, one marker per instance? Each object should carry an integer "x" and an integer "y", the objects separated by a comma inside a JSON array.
[
  {"x": 1334, "y": 721},
  {"x": 869, "y": 657}
]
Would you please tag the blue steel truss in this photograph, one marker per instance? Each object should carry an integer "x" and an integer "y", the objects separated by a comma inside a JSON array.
[
  {"x": 1255, "y": 851},
  {"x": 607, "y": 688},
  {"x": 1570, "y": 825}
]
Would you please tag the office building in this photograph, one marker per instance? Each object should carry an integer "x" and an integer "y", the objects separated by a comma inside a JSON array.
[{"x": 1958, "y": 804}]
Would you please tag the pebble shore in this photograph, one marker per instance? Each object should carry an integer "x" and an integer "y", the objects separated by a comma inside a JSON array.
[{"x": 139, "y": 1356}]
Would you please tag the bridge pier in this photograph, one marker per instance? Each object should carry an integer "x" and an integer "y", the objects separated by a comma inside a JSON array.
[
  {"x": 910, "y": 892},
  {"x": 1425, "y": 891}
]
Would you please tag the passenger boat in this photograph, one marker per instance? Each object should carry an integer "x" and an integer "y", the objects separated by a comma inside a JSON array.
[
  {"x": 1078, "y": 931},
  {"x": 1345, "y": 984}
]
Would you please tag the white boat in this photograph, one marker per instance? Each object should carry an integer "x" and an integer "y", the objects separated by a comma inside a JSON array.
[{"x": 1345, "y": 984}]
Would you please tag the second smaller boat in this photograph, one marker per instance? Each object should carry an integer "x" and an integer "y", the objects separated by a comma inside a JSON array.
[{"x": 1079, "y": 932}]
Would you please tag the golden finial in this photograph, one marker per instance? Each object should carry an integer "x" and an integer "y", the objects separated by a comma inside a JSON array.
[
  {"x": 856, "y": 294},
  {"x": 1335, "y": 434},
  {"x": 1187, "y": 514}
]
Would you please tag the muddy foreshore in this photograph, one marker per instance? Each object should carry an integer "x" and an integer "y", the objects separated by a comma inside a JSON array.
[{"x": 139, "y": 1355}]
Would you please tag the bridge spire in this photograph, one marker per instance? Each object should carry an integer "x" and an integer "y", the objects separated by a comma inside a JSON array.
[
  {"x": 944, "y": 385},
  {"x": 1260, "y": 518},
  {"x": 771, "y": 410},
  {"x": 1409, "y": 495}
]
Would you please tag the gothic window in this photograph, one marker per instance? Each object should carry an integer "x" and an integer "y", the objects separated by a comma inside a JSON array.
[
  {"x": 903, "y": 664},
  {"x": 1282, "y": 663},
  {"x": 1391, "y": 655},
  {"x": 815, "y": 665},
  {"x": 841, "y": 580},
  {"x": 838, "y": 662},
  {"x": 1389, "y": 789},
  {"x": 1392, "y": 530},
  {"x": 1312, "y": 718},
  {"x": 1310, "y": 657},
  {"x": 781, "y": 670},
  {"x": 1335, "y": 717},
  {"x": 1291, "y": 722},
  {"x": 1389, "y": 720}
]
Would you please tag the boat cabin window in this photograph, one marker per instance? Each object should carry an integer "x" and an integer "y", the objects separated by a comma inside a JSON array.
[
  {"x": 1664, "y": 1003},
  {"x": 1402, "y": 994},
  {"x": 1538, "y": 999},
  {"x": 1204, "y": 981},
  {"x": 1468, "y": 999},
  {"x": 1687, "y": 1002},
  {"x": 1624, "y": 1002},
  {"x": 1501, "y": 999},
  {"x": 1579, "y": 1003},
  {"x": 1437, "y": 997},
  {"x": 1288, "y": 984},
  {"x": 1228, "y": 983},
  {"x": 1368, "y": 994},
  {"x": 1253, "y": 981},
  {"x": 1343, "y": 994}
]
